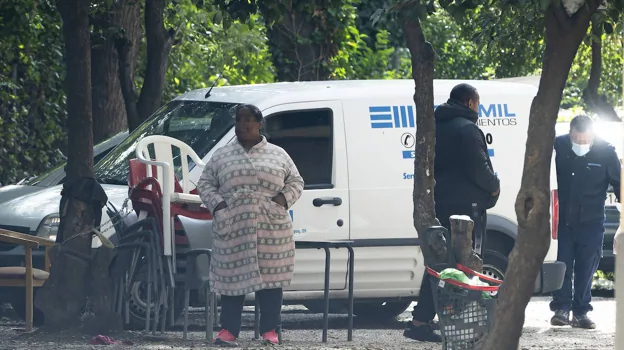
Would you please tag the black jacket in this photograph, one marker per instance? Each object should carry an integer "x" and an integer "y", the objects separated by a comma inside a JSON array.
[
  {"x": 583, "y": 181},
  {"x": 463, "y": 170}
]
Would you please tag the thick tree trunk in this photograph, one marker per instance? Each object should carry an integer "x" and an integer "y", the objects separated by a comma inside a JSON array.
[
  {"x": 139, "y": 107},
  {"x": 78, "y": 85},
  {"x": 109, "y": 112},
  {"x": 295, "y": 56},
  {"x": 461, "y": 237},
  {"x": 423, "y": 58},
  {"x": 563, "y": 37},
  {"x": 63, "y": 296},
  {"x": 596, "y": 102}
]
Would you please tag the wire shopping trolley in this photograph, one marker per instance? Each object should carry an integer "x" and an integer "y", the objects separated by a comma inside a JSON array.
[{"x": 465, "y": 311}]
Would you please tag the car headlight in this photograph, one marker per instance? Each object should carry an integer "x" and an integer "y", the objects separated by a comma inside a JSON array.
[{"x": 48, "y": 228}]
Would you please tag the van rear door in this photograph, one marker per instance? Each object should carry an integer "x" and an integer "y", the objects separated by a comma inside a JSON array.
[{"x": 313, "y": 135}]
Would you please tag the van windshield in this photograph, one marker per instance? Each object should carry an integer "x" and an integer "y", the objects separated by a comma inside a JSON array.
[{"x": 199, "y": 124}]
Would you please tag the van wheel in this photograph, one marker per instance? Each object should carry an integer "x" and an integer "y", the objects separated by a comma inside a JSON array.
[
  {"x": 494, "y": 264},
  {"x": 381, "y": 310}
]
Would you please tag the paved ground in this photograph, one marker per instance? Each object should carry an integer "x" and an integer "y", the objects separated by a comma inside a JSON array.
[{"x": 302, "y": 330}]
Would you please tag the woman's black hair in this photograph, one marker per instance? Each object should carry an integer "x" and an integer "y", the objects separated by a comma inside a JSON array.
[{"x": 255, "y": 112}]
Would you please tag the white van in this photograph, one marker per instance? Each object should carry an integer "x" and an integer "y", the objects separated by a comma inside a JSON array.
[{"x": 352, "y": 140}]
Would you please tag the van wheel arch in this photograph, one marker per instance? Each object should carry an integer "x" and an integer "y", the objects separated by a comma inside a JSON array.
[
  {"x": 498, "y": 245},
  {"x": 499, "y": 242}
]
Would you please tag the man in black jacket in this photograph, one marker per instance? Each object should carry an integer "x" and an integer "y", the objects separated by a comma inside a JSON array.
[
  {"x": 586, "y": 165},
  {"x": 463, "y": 175}
]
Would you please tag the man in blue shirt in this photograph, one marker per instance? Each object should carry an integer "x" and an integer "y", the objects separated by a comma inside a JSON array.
[{"x": 586, "y": 165}]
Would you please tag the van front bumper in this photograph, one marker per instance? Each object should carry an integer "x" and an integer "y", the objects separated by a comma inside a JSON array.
[{"x": 550, "y": 278}]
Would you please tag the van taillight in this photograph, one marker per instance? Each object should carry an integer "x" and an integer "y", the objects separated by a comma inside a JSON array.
[{"x": 554, "y": 206}]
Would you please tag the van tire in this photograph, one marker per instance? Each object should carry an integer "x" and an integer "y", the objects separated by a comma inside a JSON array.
[
  {"x": 381, "y": 310},
  {"x": 494, "y": 264}
]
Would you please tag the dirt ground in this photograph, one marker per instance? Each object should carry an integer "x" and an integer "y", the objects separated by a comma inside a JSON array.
[{"x": 302, "y": 330}]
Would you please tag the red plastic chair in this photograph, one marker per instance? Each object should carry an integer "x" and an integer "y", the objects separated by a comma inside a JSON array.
[{"x": 146, "y": 196}]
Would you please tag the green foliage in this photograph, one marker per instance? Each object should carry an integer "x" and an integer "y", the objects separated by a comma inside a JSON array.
[
  {"x": 509, "y": 36},
  {"x": 368, "y": 22},
  {"x": 457, "y": 57},
  {"x": 304, "y": 36},
  {"x": 240, "y": 39},
  {"x": 32, "y": 102},
  {"x": 206, "y": 49},
  {"x": 512, "y": 36},
  {"x": 32, "y": 98},
  {"x": 358, "y": 60},
  {"x": 611, "y": 78}
]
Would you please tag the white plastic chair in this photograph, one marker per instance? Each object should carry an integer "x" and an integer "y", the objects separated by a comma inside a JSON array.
[{"x": 163, "y": 153}]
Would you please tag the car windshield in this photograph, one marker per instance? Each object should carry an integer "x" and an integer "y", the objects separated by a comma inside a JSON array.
[
  {"x": 56, "y": 175},
  {"x": 199, "y": 124}
]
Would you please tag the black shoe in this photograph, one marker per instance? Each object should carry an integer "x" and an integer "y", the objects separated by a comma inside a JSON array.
[
  {"x": 422, "y": 333},
  {"x": 561, "y": 318},
  {"x": 582, "y": 321}
]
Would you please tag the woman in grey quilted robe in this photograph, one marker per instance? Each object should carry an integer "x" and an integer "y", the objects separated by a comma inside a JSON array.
[{"x": 248, "y": 185}]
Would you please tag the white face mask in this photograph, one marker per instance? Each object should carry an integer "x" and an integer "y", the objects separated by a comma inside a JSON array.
[{"x": 580, "y": 150}]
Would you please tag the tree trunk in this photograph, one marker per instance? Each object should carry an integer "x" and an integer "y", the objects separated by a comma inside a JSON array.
[
  {"x": 63, "y": 296},
  {"x": 109, "y": 112},
  {"x": 461, "y": 238},
  {"x": 423, "y": 58},
  {"x": 563, "y": 36},
  {"x": 139, "y": 107},
  {"x": 296, "y": 57},
  {"x": 596, "y": 102}
]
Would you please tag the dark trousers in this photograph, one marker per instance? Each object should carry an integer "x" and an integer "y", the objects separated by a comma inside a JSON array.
[
  {"x": 425, "y": 310},
  {"x": 270, "y": 301},
  {"x": 580, "y": 248}
]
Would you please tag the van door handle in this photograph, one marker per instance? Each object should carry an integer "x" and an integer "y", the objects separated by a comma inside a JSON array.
[{"x": 317, "y": 202}]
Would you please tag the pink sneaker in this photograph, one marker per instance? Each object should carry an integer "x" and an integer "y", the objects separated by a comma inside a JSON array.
[
  {"x": 270, "y": 338},
  {"x": 225, "y": 338}
]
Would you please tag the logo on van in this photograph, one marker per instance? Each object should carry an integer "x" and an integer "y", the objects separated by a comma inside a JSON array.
[
  {"x": 394, "y": 117},
  {"x": 388, "y": 117},
  {"x": 412, "y": 154},
  {"x": 495, "y": 114}
]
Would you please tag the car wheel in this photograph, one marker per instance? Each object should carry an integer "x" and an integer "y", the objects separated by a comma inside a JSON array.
[
  {"x": 494, "y": 264},
  {"x": 138, "y": 306}
]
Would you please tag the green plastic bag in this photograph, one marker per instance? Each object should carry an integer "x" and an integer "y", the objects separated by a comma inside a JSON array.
[{"x": 459, "y": 276}]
